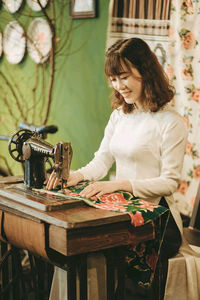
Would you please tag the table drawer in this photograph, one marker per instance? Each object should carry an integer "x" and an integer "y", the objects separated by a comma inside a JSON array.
[
  {"x": 91, "y": 239},
  {"x": 25, "y": 233}
]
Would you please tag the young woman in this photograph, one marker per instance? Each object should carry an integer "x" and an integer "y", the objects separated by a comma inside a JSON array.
[{"x": 144, "y": 136}]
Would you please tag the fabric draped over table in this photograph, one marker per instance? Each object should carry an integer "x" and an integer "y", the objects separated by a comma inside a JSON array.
[{"x": 141, "y": 260}]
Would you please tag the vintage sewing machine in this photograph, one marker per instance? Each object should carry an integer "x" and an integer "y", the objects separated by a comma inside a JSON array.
[{"x": 28, "y": 147}]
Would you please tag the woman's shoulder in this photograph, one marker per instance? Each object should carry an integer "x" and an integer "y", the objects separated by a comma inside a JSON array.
[
  {"x": 168, "y": 117},
  {"x": 116, "y": 114},
  {"x": 168, "y": 114}
]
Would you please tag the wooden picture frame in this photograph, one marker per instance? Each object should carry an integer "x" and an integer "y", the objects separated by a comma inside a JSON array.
[{"x": 83, "y": 9}]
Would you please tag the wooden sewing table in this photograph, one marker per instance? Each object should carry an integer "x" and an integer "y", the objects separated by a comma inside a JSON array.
[{"x": 65, "y": 236}]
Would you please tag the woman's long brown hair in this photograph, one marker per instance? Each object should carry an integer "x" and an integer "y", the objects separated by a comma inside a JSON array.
[{"x": 156, "y": 89}]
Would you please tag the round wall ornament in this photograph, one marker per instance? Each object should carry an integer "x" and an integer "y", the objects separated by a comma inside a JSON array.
[
  {"x": 12, "y": 5},
  {"x": 39, "y": 42},
  {"x": 14, "y": 42}
]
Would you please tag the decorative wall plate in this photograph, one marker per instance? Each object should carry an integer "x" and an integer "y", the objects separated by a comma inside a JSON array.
[
  {"x": 39, "y": 40},
  {"x": 1, "y": 48},
  {"x": 12, "y": 5},
  {"x": 34, "y": 4},
  {"x": 14, "y": 42}
]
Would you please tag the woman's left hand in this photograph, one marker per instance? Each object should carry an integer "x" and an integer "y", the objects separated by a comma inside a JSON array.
[{"x": 99, "y": 188}]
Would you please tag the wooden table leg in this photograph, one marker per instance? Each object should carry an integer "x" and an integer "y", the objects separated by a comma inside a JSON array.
[
  {"x": 19, "y": 284},
  {"x": 121, "y": 272},
  {"x": 82, "y": 272},
  {"x": 4, "y": 273},
  {"x": 115, "y": 274},
  {"x": 115, "y": 265},
  {"x": 110, "y": 272},
  {"x": 11, "y": 274},
  {"x": 71, "y": 278}
]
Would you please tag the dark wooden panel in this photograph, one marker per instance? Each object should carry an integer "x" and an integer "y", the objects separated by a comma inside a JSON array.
[{"x": 72, "y": 242}]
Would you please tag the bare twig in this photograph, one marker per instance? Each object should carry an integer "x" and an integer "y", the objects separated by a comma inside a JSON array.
[
  {"x": 14, "y": 95},
  {"x": 43, "y": 90},
  {"x": 52, "y": 65},
  {"x": 34, "y": 92},
  {"x": 10, "y": 110}
]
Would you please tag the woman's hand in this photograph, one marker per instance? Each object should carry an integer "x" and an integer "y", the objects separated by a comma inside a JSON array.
[
  {"x": 73, "y": 179},
  {"x": 100, "y": 188},
  {"x": 52, "y": 182}
]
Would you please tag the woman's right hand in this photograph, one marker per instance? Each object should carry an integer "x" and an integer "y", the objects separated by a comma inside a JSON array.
[{"x": 54, "y": 181}]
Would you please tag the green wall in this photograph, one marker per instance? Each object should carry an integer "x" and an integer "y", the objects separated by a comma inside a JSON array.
[
  {"x": 82, "y": 107},
  {"x": 81, "y": 104}
]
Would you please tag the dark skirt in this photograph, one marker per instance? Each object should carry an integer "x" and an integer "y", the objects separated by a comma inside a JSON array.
[{"x": 170, "y": 246}]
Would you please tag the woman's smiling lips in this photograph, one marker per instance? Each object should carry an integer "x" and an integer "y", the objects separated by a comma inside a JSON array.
[{"x": 125, "y": 94}]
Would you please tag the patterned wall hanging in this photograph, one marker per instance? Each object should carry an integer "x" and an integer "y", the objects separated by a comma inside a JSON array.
[
  {"x": 39, "y": 40},
  {"x": 147, "y": 19},
  {"x": 12, "y": 5},
  {"x": 14, "y": 42}
]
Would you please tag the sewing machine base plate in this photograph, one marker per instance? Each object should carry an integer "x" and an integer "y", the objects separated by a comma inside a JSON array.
[{"x": 19, "y": 193}]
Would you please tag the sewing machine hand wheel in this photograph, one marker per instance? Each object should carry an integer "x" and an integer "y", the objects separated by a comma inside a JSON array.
[{"x": 16, "y": 142}]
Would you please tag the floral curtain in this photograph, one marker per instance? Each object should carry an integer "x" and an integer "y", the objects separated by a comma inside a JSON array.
[
  {"x": 183, "y": 68},
  {"x": 172, "y": 30}
]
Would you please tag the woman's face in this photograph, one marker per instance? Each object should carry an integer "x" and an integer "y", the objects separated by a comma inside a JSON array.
[{"x": 128, "y": 84}]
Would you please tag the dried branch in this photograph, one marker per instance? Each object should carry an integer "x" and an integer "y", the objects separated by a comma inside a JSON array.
[
  {"x": 50, "y": 21},
  {"x": 10, "y": 110},
  {"x": 34, "y": 92},
  {"x": 20, "y": 94},
  {"x": 43, "y": 90},
  {"x": 66, "y": 39},
  {"x": 52, "y": 65},
  {"x": 14, "y": 95},
  {"x": 45, "y": 98}
]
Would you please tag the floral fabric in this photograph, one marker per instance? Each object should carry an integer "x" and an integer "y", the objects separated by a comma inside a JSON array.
[
  {"x": 141, "y": 260},
  {"x": 183, "y": 68}
]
